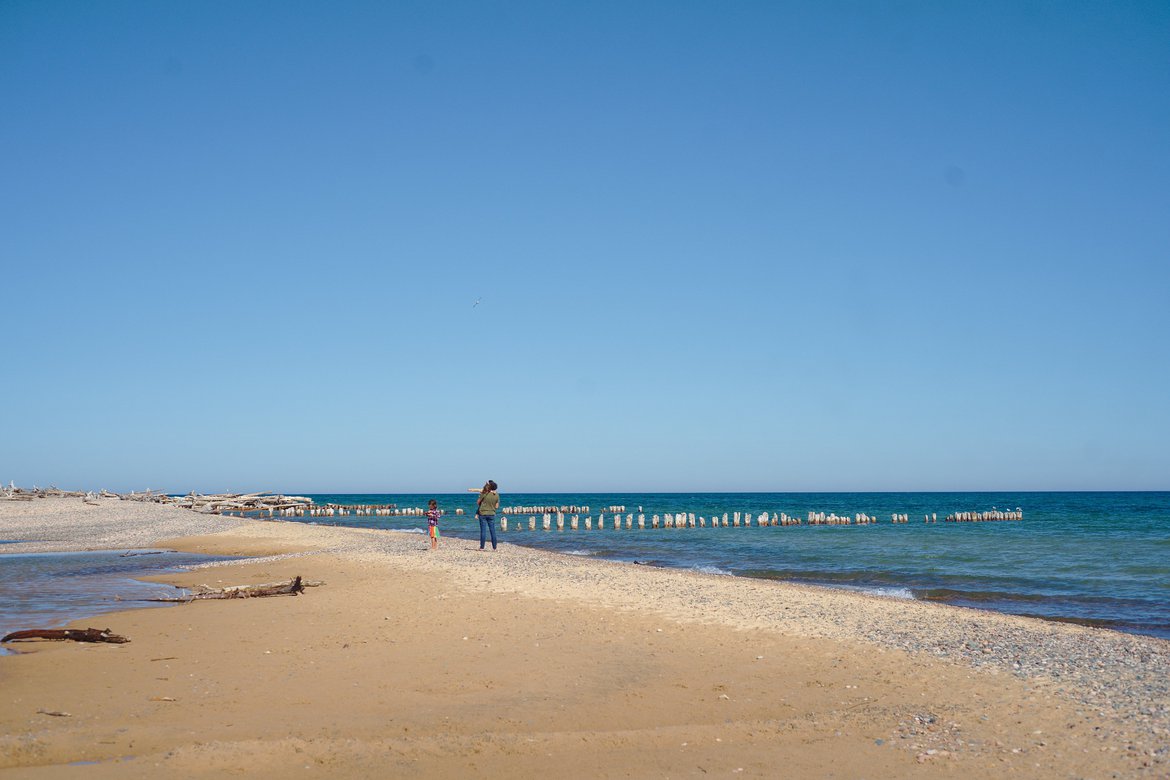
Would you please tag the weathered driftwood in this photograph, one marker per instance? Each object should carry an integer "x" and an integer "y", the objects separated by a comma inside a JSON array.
[
  {"x": 260, "y": 502},
  {"x": 238, "y": 502},
  {"x": 61, "y": 634},
  {"x": 293, "y": 587}
]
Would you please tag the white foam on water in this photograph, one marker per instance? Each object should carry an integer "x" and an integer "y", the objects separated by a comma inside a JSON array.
[
  {"x": 584, "y": 553},
  {"x": 892, "y": 592},
  {"x": 712, "y": 570}
]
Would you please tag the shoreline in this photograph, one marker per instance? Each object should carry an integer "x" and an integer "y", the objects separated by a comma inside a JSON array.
[
  {"x": 1105, "y": 683},
  {"x": 1042, "y": 567},
  {"x": 88, "y": 533}
]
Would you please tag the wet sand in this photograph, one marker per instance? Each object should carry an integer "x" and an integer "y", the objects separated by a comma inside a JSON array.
[{"x": 522, "y": 663}]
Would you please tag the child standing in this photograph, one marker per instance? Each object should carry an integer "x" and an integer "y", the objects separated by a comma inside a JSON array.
[{"x": 433, "y": 515}]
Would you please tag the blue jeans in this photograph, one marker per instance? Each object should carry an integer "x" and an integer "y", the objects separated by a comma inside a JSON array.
[{"x": 486, "y": 523}]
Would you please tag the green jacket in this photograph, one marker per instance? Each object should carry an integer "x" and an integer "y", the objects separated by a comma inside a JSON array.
[{"x": 488, "y": 503}]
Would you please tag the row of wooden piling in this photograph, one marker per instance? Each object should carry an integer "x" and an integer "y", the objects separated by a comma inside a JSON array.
[
  {"x": 348, "y": 510},
  {"x": 617, "y": 518},
  {"x": 570, "y": 509},
  {"x": 618, "y": 521},
  {"x": 393, "y": 510},
  {"x": 983, "y": 517}
]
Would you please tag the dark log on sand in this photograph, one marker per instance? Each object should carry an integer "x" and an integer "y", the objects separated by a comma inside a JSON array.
[{"x": 61, "y": 634}]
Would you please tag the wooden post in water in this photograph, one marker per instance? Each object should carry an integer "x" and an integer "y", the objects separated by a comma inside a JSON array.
[
  {"x": 641, "y": 522},
  {"x": 503, "y": 524}
]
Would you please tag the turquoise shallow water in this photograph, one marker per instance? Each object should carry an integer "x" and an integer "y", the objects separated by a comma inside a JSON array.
[{"x": 1094, "y": 558}]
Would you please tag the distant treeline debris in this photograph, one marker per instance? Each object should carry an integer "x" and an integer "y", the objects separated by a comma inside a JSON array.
[{"x": 218, "y": 502}]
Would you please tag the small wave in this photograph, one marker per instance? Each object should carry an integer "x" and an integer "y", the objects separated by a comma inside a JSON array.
[
  {"x": 712, "y": 570},
  {"x": 583, "y": 553},
  {"x": 888, "y": 592},
  {"x": 411, "y": 531}
]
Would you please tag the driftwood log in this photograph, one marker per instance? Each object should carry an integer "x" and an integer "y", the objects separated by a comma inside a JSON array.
[
  {"x": 61, "y": 634},
  {"x": 293, "y": 587}
]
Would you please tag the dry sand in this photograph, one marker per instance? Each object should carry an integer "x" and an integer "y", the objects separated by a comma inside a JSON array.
[{"x": 460, "y": 663}]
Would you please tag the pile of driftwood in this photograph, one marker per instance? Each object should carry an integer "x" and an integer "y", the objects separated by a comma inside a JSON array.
[
  {"x": 217, "y": 502},
  {"x": 14, "y": 493},
  {"x": 239, "y": 502}
]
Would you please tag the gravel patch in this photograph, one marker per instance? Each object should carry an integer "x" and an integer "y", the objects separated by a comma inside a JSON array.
[{"x": 75, "y": 525}]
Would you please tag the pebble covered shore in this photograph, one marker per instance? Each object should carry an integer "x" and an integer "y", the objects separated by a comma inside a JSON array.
[
  {"x": 1118, "y": 684},
  {"x": 73, "y": 525}
]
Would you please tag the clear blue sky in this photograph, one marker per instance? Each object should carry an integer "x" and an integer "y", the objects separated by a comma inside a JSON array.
[{"x": 716, "y": 245}]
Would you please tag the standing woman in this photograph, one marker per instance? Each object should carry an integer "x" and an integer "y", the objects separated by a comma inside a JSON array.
[{"x": 485, "y": 512}]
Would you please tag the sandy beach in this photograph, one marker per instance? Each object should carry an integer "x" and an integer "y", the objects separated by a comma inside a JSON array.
[{"x": 520, "y": 663}]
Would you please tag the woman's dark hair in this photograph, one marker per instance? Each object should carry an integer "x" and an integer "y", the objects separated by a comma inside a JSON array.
[{"x": 489, "y": 486}]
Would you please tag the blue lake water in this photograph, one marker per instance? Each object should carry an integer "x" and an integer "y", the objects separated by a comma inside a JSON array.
[{"x": 1095, "y": 558}]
